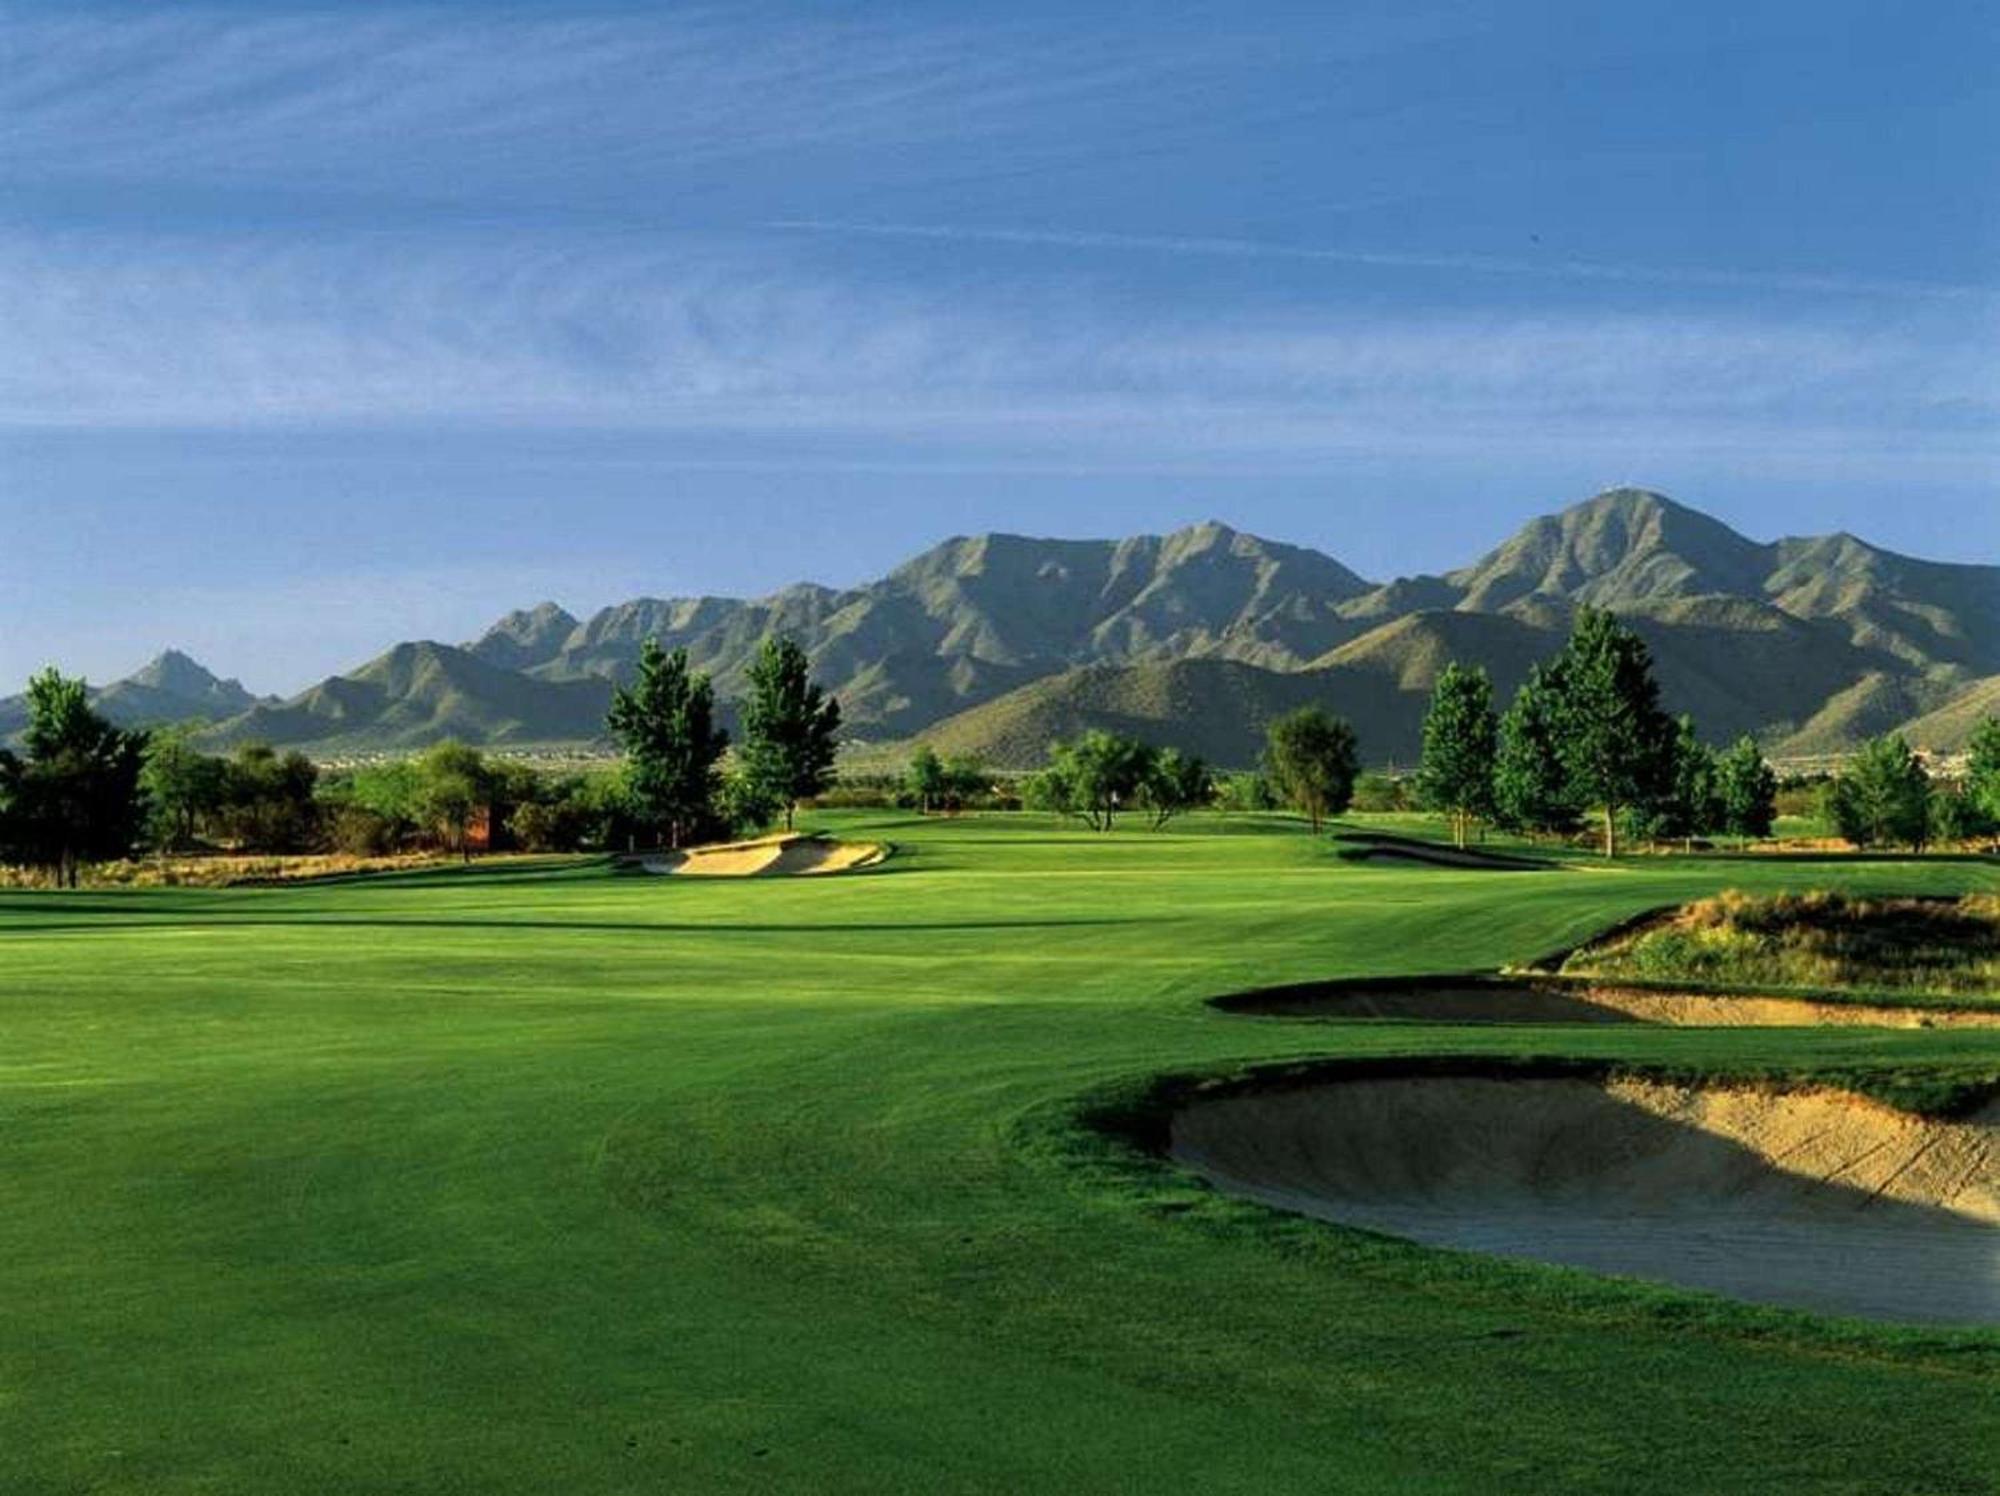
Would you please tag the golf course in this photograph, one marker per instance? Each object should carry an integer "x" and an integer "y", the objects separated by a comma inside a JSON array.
[{"x": 548, "y": 1175}]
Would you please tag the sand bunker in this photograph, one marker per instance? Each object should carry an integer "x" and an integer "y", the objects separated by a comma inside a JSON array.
[
  {"x": 1477, "y": 1000},
  {"x": 1812, "y": 1199},
  {"x": 1369, "y": 848},
  {"x": 767, "y": 856}
]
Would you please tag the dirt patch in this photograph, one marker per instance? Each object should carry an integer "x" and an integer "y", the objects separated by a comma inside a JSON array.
[
  {"x": 1813, "y": 1199},
  {"x": 765, "y": 856},
  {"x": 1477, "y": 1000}
]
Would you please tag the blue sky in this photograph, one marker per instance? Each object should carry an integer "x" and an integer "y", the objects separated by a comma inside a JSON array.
[{"x": 321, "y": 328}]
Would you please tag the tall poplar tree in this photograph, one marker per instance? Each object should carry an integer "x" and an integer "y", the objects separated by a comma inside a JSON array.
[
  {"x": 1615, "y": 742},
  {"x": 1461, "y": 739},
  {"x": 665, "y": 721},
  {"x": 1530, "y": 789},
  {"x": 1748, "y": 790},
  {"x": 790, "y": 728}
]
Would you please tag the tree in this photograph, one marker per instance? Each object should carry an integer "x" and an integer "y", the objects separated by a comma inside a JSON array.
[
  {"x": 75, "y": 796},
  {"x": 1747, "y": 790},
  {"x": 1313, "y": 759},
  {"x": 182, "y": 785},
  {"x": 1094, "y": 777},
  {"x": 1953, "y": 817},
  {"x": 268, "y": 800},
  {"x": 1175, "y": 782},
  {"x": 1982, "y": 772},
  {"x": 1461, "y": 741},
  {"x": 1250, "y": 791},
  {"x": 926, "y": 779},
  {"x": 1530, "y": 788},
  {"x": 665, "y": 721},
  {"x": 1615, "y": 743},
  {"x": 1882, "y": 797},
  {"x": 1691, "y": 803},
  {"x": 454, "y": 788},
  {"x": 745, "y": 803},
  {"x": 965, "y": 780},
  {"x": 789, "y": 727}
]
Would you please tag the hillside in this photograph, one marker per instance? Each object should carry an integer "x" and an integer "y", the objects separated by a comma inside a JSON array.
[
  {"x": 169, "y": 688},
  {"x": 421, "y": 693},
  {"x": 1216, "y": 708},
  {"x": 1810, "y": 643},
  {"x": 1949, "y": 727}
]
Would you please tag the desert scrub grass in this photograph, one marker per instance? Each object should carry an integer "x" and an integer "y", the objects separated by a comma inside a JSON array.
[
  {"x": 1822, "y": 939},
  {"x": 232, "y": 870}
]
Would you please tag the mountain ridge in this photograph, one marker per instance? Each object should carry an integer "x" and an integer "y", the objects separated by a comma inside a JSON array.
[{"x": 1808, "y": 641}]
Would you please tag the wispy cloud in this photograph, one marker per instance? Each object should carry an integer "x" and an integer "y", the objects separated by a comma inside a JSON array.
[
  {"x": 428, "y": 98},
  {"x": 1486, "y": 265},
  {"x": 692, "y": 336}
]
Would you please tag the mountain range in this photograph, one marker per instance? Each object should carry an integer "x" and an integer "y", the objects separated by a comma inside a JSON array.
[{"x": 998, "y": 644}]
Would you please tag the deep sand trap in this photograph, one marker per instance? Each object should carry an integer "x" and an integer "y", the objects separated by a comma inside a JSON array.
[
  {"x": 767, "y": 856},
  {"x": 1813, "y": 1199},
  {"x": 1501, "y": 1000}
]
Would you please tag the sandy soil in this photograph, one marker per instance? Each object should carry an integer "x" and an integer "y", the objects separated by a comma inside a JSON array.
[
  {"x": 767, "y": 856},
  {"x": 1501, "y": 1001},
  {"x": 1813, "y": 1199}
]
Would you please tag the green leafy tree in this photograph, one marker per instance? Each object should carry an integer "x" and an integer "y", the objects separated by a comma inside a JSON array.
[
  {"x": 1175, "y": 782},
  {"x": 1461, "y": 742},
  {"x": 1747, "y": 789},
  {"x": 454, "y": 788},
  {"x": 1953, "y": 817},
  {"x": 1382, "y": 794},
  {"x": 1313, "y": 760},
  {"x": 1615, "y": 743},
  {"x": 269, "y": 802},
  {"x": 1982, "y": 772},
  {"x": 1094, "y": 777},
  {"x": 665, "y": 721},
  {"x": 926, "y": 780},
  {"x": 183, "y": 787},
  {"x": 1691, "y": 803},
  {"x": 1246, "y": 791},
  {"x": 1882, "y": 797},
  {"x": 1530, "y": 786},
  {"x": 746, "y": 803},
  {"x": 966, "y": 778},
  {"x": 1050, "y": 789},
  {"x": 790, "y": 728},
  {"x": 74, "y": 797}
]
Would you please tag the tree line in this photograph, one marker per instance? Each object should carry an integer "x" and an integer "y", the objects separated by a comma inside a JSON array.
[
  {"x": 1585, "y": 735},
  {"x": 83, "y": 790}
]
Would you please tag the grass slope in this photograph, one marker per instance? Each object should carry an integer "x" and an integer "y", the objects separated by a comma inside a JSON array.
[
  {"x": 543, "y": 1179},
  {"x": 1950, "y": 727}
]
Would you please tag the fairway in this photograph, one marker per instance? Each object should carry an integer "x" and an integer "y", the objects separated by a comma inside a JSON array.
[{"x": 543, "y": 1178}]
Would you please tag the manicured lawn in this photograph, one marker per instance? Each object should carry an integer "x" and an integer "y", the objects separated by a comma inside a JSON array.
[{"x": 546, "y": 1179}]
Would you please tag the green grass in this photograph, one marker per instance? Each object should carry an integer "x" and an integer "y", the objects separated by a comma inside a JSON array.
[{"x": 540, "y": 1179}]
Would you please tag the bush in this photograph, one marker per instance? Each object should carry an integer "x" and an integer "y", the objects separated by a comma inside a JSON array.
[
  {"x": 1380, "y": 793},
  {"x": 357, "y": 831}
]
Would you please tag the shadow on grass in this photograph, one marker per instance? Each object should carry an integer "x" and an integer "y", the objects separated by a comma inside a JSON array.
[{"x": 163, "y": 921}]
